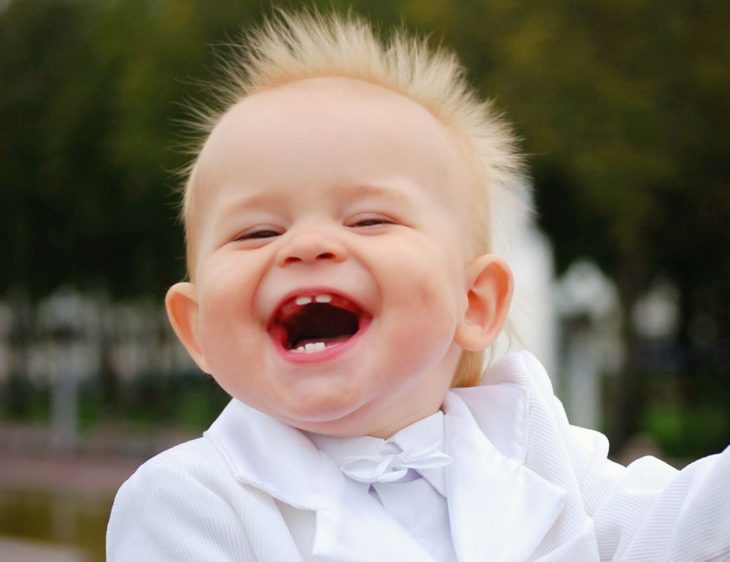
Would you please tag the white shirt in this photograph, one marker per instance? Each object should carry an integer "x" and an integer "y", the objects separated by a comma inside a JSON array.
[{"x": 416, "y": 501}]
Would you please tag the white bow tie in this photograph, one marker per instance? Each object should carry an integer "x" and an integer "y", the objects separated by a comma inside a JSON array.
[{"x": 392, "y": 467}]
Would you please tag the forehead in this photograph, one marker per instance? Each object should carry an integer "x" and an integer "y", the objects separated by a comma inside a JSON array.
[{"x": 331, "y": 129}]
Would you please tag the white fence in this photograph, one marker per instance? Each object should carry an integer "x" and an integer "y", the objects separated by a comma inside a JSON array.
[{"x": 86, "y": 334}]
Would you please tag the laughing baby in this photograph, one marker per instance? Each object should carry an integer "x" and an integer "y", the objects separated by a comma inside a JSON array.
[{"x": 342, "y": 290}]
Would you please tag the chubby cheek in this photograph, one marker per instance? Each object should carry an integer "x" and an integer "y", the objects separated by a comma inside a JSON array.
[
  {"x": 226, "y": 320},
  {"x": 427, "y": 308},
  {"x": 428, "y": 274},
  {"x": 422, "y": 342}
]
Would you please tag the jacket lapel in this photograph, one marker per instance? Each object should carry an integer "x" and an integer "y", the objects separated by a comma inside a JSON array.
[
  {"x": 499, "y": 509},
  {"x": 355, "y": 527}
]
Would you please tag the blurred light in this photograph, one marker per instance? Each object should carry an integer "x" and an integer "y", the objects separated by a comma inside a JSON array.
[{"x": 655, "y": 316}]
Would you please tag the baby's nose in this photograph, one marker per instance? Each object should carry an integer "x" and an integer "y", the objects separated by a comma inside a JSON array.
[{"x": 310, "y": 247}]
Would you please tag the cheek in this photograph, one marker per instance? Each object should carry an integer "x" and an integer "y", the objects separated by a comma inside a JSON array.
[
  {"x": 225, "y": 307},
  {"x": 430, "y": 275},
  {"x": 426, "y": 313}
]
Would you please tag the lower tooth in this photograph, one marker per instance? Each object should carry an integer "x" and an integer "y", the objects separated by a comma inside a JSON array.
[{"x": 314, "y": 347}]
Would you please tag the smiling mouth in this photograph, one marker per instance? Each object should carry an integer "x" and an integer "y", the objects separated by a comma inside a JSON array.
[{"x": 314, "y": 323}]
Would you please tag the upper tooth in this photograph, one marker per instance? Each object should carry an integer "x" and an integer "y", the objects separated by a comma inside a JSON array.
[
  {"x": 301, "y": 301},
  {"x": 323, "y": 298}
]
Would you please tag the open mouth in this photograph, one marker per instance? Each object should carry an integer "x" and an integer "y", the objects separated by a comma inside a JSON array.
[{"x": 314, "y": 323}]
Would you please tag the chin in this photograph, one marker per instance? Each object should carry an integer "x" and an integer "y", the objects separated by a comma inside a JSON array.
[
  {"x": 326, "y": 416},
  {"x": 322, "y": 412},
  {"x": 333, "y": 428}
]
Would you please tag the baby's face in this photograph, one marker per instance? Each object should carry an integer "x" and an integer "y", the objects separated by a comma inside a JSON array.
[{"x": 330, "y": 268}]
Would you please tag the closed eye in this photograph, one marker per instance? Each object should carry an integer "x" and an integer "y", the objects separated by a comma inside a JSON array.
[
  {"x": 371, "y": 222},
  {"x": 262, "y": 234},
  {"x": 258, "y": 235}
]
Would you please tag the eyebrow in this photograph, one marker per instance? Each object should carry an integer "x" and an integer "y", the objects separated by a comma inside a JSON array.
[
  {"x": 258, "y": 198},
  {"x": 399, "y": 192}
]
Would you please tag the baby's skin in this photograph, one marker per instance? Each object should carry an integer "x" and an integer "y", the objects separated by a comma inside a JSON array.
[{"x": 334, "y": 284}]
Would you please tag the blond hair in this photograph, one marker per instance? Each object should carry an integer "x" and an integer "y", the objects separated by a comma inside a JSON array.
[{"x": 293, "y": 47}]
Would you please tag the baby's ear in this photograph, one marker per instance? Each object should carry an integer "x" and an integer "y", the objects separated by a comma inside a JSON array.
[
  {"x": 489, "y": 291},
  {"x": 182, "y": 310}
]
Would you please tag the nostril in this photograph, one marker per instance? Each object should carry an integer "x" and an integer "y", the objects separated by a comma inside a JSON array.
[{"x": 325, "y": 256}]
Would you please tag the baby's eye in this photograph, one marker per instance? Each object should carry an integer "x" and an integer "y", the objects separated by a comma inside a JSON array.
[
  {"x": 370, "y": 222},
  {"x": 261, "y": 234},
  {"x": 257, "y": 234}
]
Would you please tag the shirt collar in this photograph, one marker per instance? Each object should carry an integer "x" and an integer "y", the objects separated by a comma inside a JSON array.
[{"x": 423, "y": 433}]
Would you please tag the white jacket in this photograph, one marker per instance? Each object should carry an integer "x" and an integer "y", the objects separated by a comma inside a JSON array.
[{"x": 524, "y": 485}]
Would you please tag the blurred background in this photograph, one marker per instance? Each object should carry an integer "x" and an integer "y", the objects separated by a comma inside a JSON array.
[{"x": 623, "y": 271}]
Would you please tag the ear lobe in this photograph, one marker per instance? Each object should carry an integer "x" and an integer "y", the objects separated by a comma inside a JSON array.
[
  {"x": 488, "y": 298},
  {"x": 182, "y": 311}
]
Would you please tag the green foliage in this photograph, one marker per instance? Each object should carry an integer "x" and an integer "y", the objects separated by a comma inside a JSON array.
[
  {"x": 192, "y": 400},
  {"x": 24, "y": 401},
  {"x": 688, "y": 429},
  {"x": 91, "y": 94},
  {"x": 689, "y": 433}
]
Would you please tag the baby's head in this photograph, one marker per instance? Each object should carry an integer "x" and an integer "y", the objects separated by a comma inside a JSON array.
[{"x": 337, "y": 219}]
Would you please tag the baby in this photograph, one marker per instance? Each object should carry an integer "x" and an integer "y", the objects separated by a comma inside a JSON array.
[{"x": 342, "y": 291}]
